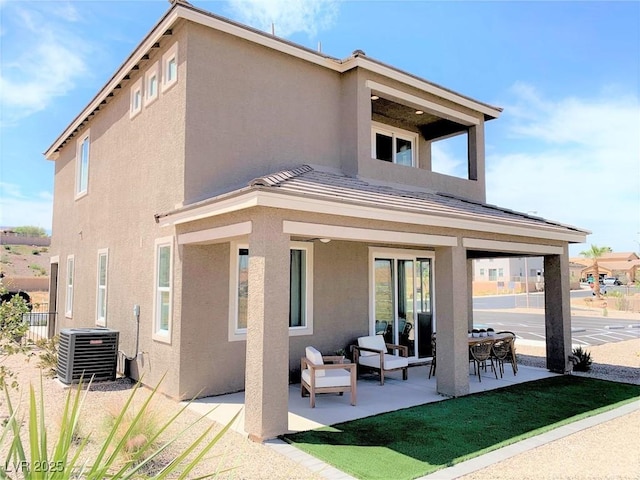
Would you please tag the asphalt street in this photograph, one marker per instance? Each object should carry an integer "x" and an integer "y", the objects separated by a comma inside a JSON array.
[{"x": 587, "y": 329}]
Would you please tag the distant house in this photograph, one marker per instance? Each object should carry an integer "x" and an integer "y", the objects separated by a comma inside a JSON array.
[
  {"x": 508, "y": 274},
  {"x": 253, "y": 197},
  {"x": 622, "y": 265}
]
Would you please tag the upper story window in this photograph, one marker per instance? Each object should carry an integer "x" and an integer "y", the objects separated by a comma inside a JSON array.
[
  {"x": 300, "y": 297},
  {"x": 163, "y": 286},
  {"x": 151, "y": 83},
  {"x": 136, "y": 98},
  {"x": 101, "y": 305},
  {"x": 394, "y": 145},
  {"x": 82, "y": 164},
  {"x": 170, "y": 67}
]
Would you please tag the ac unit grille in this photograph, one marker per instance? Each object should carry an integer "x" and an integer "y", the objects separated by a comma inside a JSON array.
[{"x": 86, "y": 353}]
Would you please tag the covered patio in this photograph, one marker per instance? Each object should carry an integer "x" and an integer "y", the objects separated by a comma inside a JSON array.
[
  {"x": 367, "y": 253},
  {"x": 373, "y": 399}
]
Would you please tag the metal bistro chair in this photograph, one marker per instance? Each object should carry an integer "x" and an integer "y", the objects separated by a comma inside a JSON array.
[
  {"x": 510, "y": 354},
  {"x": 481, "y": 354},
  {"x": 432, "y": 368}
]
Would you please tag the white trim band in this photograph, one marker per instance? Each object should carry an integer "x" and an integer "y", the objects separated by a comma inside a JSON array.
[
  {"x": 337, "y": 232},
  {"x": 494, "y": 245}
]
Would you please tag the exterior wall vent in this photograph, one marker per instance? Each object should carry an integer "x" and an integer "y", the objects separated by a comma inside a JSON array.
[{"x": 86, "y": 353}]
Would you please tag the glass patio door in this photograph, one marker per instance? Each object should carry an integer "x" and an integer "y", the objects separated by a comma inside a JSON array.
[{"x": 403, "y": 306}]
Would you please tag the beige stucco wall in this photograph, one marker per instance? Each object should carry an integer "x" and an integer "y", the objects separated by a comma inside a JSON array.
[
  {"x": 135, "y": 171},
  {"x": 253, "y": 111}
]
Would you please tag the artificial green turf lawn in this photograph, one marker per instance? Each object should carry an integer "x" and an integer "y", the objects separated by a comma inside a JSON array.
[{"x": 416, "y": 441}]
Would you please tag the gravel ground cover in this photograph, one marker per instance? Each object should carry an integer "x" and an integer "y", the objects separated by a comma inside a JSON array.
[{"x": 607, "y": 451}]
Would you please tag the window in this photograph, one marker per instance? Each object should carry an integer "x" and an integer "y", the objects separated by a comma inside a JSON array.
[
  {"x": 151, "y": 84},
  {"x": 136, "y": 98},
  {"x": 394, "y": 145},
  {"x": 493, "y": 274},
  {"x": 500, "y": 273},
  {"x": 482, "y": 272},
  {"x": 82, "y": 165},
  {"x": 163, "y": 280},
  {"x": 300, "y": 278},
  {"x": 101, "y": 306},
  {"x": 170, "y": 67},
  {"x": 68, "y": 307}
]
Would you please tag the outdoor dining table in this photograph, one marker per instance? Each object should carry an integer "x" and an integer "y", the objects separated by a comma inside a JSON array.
[{"x": 495, "y": 337}]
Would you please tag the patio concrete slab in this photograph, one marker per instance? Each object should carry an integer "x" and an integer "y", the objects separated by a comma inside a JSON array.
[{"x": 372, "y": 398}]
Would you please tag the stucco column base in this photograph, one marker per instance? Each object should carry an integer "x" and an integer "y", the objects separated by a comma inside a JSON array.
[
  {"x": 557, "y": 317},
  {"x": 452, "y": 347},
  {"x": 267, "y": 370}
]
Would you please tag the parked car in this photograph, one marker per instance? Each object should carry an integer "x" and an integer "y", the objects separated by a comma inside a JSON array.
[{"x": 611, "y": 281}]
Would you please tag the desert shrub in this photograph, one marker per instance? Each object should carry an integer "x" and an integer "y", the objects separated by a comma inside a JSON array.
[
  {"x": 38, "y": 270},
  {"x": 48, "y": 356},
  {"x": 65, "y": 460},
  {"x": 135, "y": 430},
  {"x": 583, "y": 360},
  {"x": 621, "y": 301},
  {"x": 12, "y": 325}
]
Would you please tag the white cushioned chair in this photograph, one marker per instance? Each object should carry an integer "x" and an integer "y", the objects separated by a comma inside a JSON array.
[
  {"x": 371, "y": 352},
  {"x": 320, "y": 376}
]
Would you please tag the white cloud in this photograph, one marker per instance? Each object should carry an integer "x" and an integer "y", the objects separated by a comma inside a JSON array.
[
  {"x": 577, "y": 161},
  {"x": 18, "y": 209},
  {"x": 449, "y": 156},
  {"x": 288, "y": 16},
  {"x": 41, "y": 59}
]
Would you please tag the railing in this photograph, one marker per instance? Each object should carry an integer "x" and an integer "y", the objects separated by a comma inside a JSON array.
[{"x": 38, "y": 325}]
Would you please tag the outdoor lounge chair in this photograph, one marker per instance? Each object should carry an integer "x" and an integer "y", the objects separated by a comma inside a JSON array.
[
  {"x": 318, "y": 376},
  {"x": 371, "y": 352}
]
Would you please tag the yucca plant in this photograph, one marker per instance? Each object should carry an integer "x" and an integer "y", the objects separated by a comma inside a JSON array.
[
  {"x": 66, "y": 461},
  {"x": 583, "y": 360}
]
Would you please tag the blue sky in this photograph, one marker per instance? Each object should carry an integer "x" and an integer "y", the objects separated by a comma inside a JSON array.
[{"x": 567, "y": 74}]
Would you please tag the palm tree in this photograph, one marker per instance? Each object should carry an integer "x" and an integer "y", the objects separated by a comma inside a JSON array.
[{"x": 595, "y": 253}]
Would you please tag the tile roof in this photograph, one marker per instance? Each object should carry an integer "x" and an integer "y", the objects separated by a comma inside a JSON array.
[{"x": 307, "y": 181}]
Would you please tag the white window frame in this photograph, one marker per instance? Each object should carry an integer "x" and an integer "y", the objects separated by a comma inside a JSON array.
[
  {"x": 239, "y": 334},
  {"x": 152, "y": 72},
  {"x": 82, "y": 170},
  {"x": 394, "y": 133},
  {"x": 69, "y": 286},
  {"x": 158, "y": 333},
  {"x": 136, "y": 95},
  {"x": 102, "y": 320},
  {"x": 169, "y": 56}
]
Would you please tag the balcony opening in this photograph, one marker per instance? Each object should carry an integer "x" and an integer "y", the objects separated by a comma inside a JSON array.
[{"x": 450, "y": 155}]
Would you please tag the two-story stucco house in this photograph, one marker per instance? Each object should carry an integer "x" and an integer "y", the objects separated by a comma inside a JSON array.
[{"x": 253, "y": 197}]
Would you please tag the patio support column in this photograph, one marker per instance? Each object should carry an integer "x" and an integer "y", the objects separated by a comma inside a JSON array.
[
  {"x": 557, "y": 315},
  {"x": 267, "y": 355},
  {"x": 452, "y": 313}
]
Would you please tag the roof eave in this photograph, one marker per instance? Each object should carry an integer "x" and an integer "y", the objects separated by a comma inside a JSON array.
[
  {"x": 156, "y": 33},
  {"x": 266, "y": 197}
]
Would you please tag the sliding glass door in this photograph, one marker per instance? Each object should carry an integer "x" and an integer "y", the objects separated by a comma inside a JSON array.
[{"x": 402, "y": 302}]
